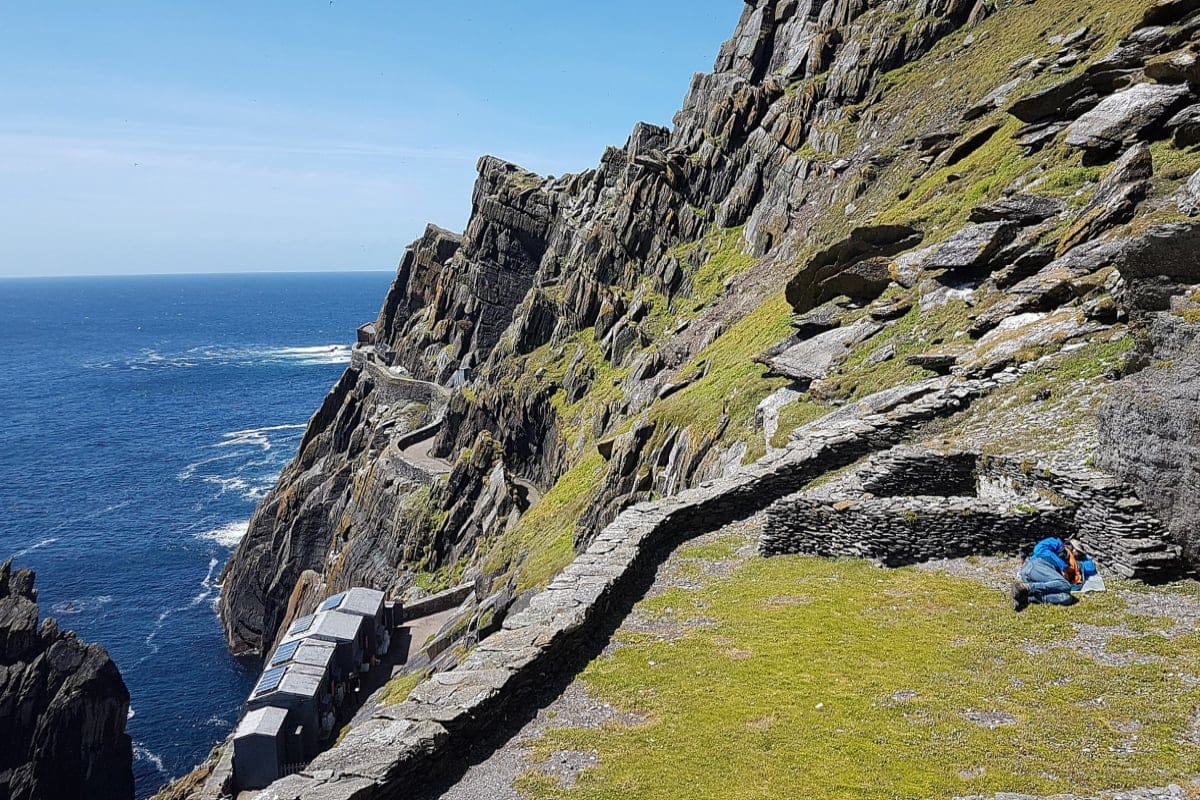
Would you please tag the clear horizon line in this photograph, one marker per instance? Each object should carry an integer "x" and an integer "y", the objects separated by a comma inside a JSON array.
[{"x": 284, "y": 271}]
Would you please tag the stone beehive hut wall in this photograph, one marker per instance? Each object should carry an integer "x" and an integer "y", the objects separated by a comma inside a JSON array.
[
  {"x": 921, "y": 505},
  {"x": 905, "y": 471},
  {"x": 1106, "y": 514},
  {"x": 905, "y": 530}
]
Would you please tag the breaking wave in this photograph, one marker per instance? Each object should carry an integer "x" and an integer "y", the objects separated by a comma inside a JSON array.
[
  {"x": 36, "y": 546},
  {"x": 141, "y": 753},
  {"x": 227, "y": 535}
]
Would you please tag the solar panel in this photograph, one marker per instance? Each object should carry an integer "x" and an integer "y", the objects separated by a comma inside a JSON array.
[
  {"x": 270, "y": 680},
  {"x": 285, "y": 653},
  {"x": 333, "y": 602},
  {"x": 302, "y": 624}
]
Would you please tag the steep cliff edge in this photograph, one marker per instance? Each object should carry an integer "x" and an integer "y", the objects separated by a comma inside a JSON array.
[
  {"x": 858, "y": 195},
  {"x": 566, "y": 309},
  {"x": 63, "y": 707},
  {"x": 963, "y": 224}
]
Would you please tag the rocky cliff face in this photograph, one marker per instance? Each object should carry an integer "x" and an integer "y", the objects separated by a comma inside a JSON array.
[
  {"x": 63, "y": 707},
  {"x": 859, "y": 195}
]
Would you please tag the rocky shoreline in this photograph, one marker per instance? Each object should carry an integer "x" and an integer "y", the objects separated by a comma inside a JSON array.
[{"x": 63, "y": 707}]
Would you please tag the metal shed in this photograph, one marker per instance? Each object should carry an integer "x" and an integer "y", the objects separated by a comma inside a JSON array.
[
  {"x": 346, "y": 631},
  {"x": 367, "y": 603},
  {"x": 259, "y": 748},
  {"x": 299, "y": 689},
  {"x": 310, "y": 652}
]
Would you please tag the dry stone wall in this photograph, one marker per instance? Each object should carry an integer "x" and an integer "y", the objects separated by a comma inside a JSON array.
[
  {"x": 905, "y": 530},
  {"x": 918, "y": 505},
  {"x": 1107, "y": 515}
]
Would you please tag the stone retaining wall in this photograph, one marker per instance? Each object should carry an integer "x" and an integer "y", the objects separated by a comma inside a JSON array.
[
  {"x": 1003, "y": 505},
  {"x": 902, "y": 469},
  {"x": 436, "y": 603},
  {"x": 382, "y": 757},
  {"x": 1107, "y": 515},
  {"x": 906, "y": 530}
]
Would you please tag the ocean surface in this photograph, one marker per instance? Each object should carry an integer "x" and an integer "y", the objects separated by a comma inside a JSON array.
[{"x": 143, "y": 418}]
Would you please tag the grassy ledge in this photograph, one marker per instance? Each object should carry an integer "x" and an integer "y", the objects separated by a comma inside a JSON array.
[{"x": 836, "y": 679}]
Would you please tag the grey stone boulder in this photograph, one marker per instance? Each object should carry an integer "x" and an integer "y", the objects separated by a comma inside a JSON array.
[
  {"x": 1024, "y": 208},
  {"x": 1115, "y": 200},
  {"x": 972, "y": 248},
  {"x": 1057, "y": 101},
  {"x": 820, "y": 319},
  {"x": 1185, "y": 126},
  {"x": 1188, "y": 199},
  {"x": 1123, "y": 117},
  {"x": 860, "y": 255},
  {"x": 815, "y": 358},
  {"x": 1169, "y": 12},
  {"x": 1181, "y": 66},
  {"x": 1159, "y": 263},
  {"x": 940, "y": 362}
]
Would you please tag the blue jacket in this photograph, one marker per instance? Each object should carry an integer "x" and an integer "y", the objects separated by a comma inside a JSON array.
[{"x": 1051, "y": 550}]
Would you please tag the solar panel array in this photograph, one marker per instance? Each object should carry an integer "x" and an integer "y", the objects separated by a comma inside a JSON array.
[
  {"x": 302, "y": 624},
  {"x": 270, "y": 680},
  {"x": 285, "y": 653},
  {"x": 333, "y": 602}
]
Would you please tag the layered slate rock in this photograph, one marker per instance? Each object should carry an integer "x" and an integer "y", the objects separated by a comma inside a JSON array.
[
  {"x": 567, "y": 262},
  {"x": 1150, "y": 430},
  {"x": 63, "y": 707},
  {"x": 813, "y": 359},
  {"x": 856, "y": 266},
  {"x": 1116, "y": 198},
  {"x": 1123, "y": 117}
]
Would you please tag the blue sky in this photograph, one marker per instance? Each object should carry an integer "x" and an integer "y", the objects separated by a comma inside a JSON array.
[{"x": 215, "y": 136}]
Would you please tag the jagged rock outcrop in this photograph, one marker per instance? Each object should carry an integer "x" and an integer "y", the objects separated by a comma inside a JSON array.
[
  {"x": 858, "y": 195},
  {"x": 573, "y": 310},
  {"x": 1150, "y": 429},
  {"x": 63, "y": 707},
  {"x": 609, "y": 257}
]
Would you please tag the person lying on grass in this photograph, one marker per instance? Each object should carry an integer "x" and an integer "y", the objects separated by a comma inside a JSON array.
[{"x": 1049, "y": 575}]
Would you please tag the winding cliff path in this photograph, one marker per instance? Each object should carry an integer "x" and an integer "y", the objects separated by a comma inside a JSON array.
[
  {"x": 418, "y": 451},
  {"x": 419, "y": 454}
]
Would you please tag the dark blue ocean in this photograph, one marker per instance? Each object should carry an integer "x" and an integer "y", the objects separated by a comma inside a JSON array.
[{"x": 143, "y": 418}]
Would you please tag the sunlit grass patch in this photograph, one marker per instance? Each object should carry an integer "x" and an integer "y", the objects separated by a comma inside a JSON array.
[{"x": 888, "y": 684}]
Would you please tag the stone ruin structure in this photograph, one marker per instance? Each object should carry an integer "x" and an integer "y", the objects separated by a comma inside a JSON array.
[{"x": 910, "y": 504}]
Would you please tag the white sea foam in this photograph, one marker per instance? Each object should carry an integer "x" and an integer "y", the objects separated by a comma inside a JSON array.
[
  {"x": 206, "y": 585},
  {"x": 37, "y": 546},
  {"x": 227, "y": 535},
  {"x": 190, "y": 470},
  {"x": 142, "y": 754},
  {"x": 254, "y": 437},
  {"x": 153, "y": 645},
  {"x": 131, "y": 713},
  {"x": 233, "y": 484},
  {"x": 68, "y": 608},
  {"x": 245, "y": 356}
]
